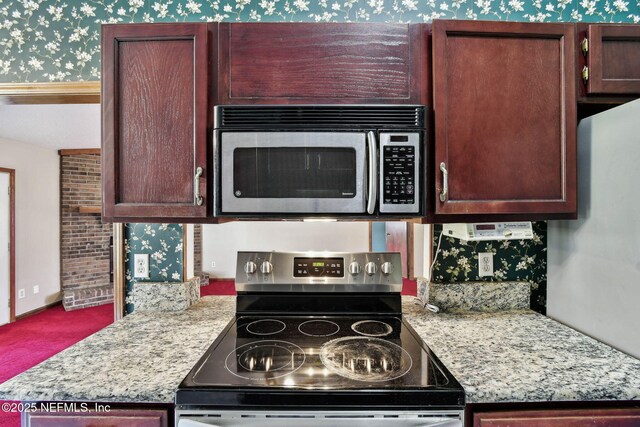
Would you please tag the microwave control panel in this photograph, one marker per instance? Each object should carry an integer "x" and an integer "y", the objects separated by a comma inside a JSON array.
[{"x": 399, "y": 172}]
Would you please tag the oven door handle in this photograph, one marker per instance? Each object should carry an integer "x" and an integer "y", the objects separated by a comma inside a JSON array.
[
  {"x": 185, "y": 422},
  {"x": 262, "y": 421},
  {"x": 373, "y": 172}
]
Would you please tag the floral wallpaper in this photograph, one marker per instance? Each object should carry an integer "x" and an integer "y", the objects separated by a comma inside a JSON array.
[
  {"x": 513, "y": 260},
  {"x": 59, "y": 40},
  {"x": 163, "y": 243}
]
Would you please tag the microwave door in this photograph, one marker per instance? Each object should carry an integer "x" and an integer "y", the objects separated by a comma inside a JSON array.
[{"x": 294, "y": 172}]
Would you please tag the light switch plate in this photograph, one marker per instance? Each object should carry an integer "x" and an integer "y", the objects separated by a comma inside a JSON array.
[
  {"x": 141, "y": 266},
  {"x": 485, "y": 264}
]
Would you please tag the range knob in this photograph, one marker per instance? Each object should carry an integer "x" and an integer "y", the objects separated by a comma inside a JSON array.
[
  {"x": 371, "y": 268},
  {"x": 250, "y": 267},
  {"x": 266, "y": 267},
  {"x": 386, "y": 268},
  {"x": 354, "y": 268}
]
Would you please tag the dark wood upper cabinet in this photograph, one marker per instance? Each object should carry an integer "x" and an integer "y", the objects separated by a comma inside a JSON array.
[
  {"x": 154, "y": 121},
  {"x": 301, "y": 63},
  {"x": 505, "y": 119},
  {"x": 611, "y": 55}
]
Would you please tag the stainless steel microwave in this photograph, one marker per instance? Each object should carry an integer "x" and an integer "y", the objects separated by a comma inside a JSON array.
[{"x": 319, "y": 160}]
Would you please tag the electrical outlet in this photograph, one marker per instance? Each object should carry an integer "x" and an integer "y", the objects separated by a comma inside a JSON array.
[
  {"x": 141, "y": 266},
  {"x": 36, "y": 289},
  {"x": 21, "y": 293},
  {"x": 485, "y": 264},
  {"x": 213, "y": 264}
]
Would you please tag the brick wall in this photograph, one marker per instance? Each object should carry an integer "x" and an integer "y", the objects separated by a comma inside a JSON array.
[{"x": 84, "y": 245}]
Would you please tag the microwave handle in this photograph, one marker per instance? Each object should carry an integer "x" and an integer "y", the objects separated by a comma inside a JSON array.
[{"x": 373, "y": 169}]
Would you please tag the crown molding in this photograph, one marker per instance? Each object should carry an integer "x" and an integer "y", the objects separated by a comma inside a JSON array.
[{"x": 50, "y": 93}]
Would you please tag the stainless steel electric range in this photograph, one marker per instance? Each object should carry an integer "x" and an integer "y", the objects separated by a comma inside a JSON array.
[{"x": 319, "y": 340}]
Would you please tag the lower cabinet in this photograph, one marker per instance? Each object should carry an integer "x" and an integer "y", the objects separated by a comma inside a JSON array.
[
  {"x": 559, "y": 418},
  {"x": 75, "y": 416}
]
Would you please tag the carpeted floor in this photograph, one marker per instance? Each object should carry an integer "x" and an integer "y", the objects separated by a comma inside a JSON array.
[
  {"x": 29, "y": 341},
  {"x": 218, "y": 287}
]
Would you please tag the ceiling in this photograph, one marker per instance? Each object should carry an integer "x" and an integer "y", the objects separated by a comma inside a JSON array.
[{"x": 54, "y": 126}]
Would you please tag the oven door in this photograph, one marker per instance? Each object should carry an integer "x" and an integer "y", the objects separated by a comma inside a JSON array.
[
  {"x": 297, "y": 172},
  {"x": 319, "y": 419}
]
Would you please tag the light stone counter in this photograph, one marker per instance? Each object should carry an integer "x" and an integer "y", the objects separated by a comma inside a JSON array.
[
  {"x": 523, "y": 356},
  {"x": 506, "y": 356},
  {"x": 141, "y": 358}
]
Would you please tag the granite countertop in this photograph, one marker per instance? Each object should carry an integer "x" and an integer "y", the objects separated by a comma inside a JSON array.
[
  {"x": 523, "y": 356},
  {"x": 497, "y": 357},
  {"x": 141, "y": 358}
]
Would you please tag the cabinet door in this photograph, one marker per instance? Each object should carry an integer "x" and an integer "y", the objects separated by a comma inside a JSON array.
[
  {"x": 613, "y": 59},
  {"x": 115, "y": 417},
  {"x": 505, "y": 118},
  {"x": 559, "y": 418},
  {"x": 154, "y": 120},
  {"x": 302, "y": 63}
]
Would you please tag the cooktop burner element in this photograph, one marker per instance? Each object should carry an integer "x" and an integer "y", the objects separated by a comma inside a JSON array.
[
  {"x": 268, "y": 359},
  {"x": 318, "y": 328},
  {"x": 266, "y": 327},
  {"x": 365, "y": 359},
  {"x": 372, "y": 328}
]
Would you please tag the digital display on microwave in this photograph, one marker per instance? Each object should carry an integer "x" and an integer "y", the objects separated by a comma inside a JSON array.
[{"x": 399, "y": 138}]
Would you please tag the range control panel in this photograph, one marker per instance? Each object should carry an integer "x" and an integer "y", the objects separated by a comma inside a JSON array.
[
  {"x": 318, "y": 267},
  {"x": 399, "y": 172},
  {"x": 319, "y": 272}
]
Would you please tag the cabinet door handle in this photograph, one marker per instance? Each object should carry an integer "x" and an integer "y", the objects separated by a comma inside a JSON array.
[
  {"x": 445, "y": 183},
  {"x": 196, "y": 187}
]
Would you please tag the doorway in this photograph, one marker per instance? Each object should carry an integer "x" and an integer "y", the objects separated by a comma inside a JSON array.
[
  {"x": 7, "y": 246},
  {"x": 396, "y": 236},
  {"x": 399, "y": 239}
]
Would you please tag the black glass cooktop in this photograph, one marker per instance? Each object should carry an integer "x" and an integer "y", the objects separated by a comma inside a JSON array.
[{"x": 334, "y": 361}]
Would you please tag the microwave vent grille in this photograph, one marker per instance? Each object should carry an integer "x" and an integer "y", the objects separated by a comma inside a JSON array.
[{"x": 309, "y": 117}]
